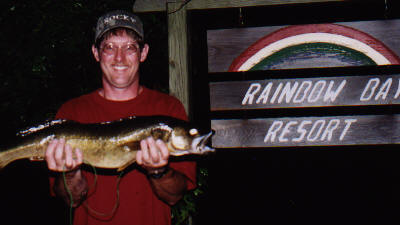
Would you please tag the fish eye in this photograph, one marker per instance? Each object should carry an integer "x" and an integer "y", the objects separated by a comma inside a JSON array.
[{"x": 193, "y": 131}]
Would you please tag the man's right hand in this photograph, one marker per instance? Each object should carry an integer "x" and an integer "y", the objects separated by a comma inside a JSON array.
[{"x": 61, "y": 157}]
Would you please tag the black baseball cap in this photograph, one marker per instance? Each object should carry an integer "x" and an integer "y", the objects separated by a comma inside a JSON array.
[{"x": 116, "y": 19}]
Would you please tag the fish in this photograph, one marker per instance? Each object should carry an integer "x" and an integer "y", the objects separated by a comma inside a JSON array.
[{"x": 109, "y": 145}]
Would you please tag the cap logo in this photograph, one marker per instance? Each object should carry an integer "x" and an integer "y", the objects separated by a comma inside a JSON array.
[{"x": 118, "y": 17}]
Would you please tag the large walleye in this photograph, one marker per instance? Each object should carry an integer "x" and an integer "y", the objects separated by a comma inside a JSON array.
[{"x": 109, "y": 144}]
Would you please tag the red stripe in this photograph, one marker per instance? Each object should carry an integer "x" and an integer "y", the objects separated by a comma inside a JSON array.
[{"x": 314, "y": 28}]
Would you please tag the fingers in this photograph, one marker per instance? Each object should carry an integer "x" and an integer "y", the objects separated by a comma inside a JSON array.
[
  {"x": 51, "y": 162},
  {"x": 59, "y": 154},
  {"x": 164, "y": 153},
  {"x": 153, "y": 153},
  {"x": 145, "y": 150},
  {"x": 68, "y": 156},
  {"x": 62, "y": 157},
  {"x": 79, "y": 156},
  {"x": 139, "y": 158}
]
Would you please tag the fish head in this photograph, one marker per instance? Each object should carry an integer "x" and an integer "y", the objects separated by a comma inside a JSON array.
[{"x": 188, "y": 141}]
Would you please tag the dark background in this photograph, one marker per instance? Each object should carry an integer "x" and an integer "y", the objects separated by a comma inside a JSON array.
[
  {"x": 296, "y": 185},
  {"x": 45, "y": 60}
]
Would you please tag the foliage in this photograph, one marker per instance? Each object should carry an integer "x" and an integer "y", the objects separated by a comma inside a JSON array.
[
  {"x": 187, "y": 206},
  {"x": 46, "y": 59}
]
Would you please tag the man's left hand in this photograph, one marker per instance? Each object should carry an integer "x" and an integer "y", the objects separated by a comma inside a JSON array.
[{"x": 153, "y": 154}]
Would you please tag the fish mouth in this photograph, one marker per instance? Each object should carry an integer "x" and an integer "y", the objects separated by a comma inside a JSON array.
[{"x": 199, "y": 144}]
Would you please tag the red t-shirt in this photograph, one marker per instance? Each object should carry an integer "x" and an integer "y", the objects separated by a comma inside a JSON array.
[{"x": 137, "y": 203}]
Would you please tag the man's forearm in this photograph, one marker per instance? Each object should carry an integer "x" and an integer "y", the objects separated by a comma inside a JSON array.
[
  {"x": 170, "y": 187},
  {"x": 76, "y": 184}
]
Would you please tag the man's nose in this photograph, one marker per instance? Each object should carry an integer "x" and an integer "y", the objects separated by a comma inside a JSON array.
[{"x": 119, "y": 54}]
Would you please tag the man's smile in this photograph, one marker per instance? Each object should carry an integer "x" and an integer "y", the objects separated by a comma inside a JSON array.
[{"x": 120, "y": 67}]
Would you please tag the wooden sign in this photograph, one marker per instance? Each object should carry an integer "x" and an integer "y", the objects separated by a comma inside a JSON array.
[
  {"x": 330, "y": 45},
  {"x": 305, "y": 92},
  {"x": 341, "y": 44},
  {"x": 306, "y": 131}
]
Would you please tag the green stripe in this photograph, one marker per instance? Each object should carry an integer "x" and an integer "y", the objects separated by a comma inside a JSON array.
[{"x": 321, "y": 54}]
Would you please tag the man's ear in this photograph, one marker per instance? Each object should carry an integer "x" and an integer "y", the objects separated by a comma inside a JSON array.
[
  {"x": 95, "y": 52},
  {"x": 144, "y": 52}
]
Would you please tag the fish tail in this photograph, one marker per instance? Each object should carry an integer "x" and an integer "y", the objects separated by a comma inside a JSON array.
[
  {"x": 5, "y": 159},
  {"x": 8, "y": 156}
]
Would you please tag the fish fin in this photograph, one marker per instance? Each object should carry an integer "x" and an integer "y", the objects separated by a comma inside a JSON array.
[
  {"x": 127, "y": 164},
  {"x": 37, "y": 158},
  {"x": 122, "y": 168}
]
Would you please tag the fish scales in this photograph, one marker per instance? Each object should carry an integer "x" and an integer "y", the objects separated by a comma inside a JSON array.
[{"x": 110, "y": 144}]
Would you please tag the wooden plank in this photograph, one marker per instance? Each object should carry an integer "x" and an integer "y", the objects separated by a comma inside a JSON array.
[
  {"x": 305, "y": 92},
  {"x": 178, "y": 54},
  {"x": 161, "y": 5},
  {"x": 306, "y": 131}
]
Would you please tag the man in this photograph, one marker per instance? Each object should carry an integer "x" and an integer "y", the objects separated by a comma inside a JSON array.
[{"x": 143, "y": 195}]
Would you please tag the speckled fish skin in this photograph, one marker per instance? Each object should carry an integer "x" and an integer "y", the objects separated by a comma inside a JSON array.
[{"x": 110, "y": 145}]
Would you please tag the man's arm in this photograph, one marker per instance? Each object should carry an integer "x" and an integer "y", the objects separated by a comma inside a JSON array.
[
  {"x": 60, "y": 158},
  {"x": 168, "y": 184},
  {"x": 77, "y": 187},
  {"x": 170, "y": 187}
]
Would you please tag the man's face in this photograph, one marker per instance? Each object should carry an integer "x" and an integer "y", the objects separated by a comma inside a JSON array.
[{"x": 119, "y": 57}]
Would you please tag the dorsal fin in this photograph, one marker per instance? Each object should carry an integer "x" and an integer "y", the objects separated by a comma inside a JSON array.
[{"x": 40, "y": 127}]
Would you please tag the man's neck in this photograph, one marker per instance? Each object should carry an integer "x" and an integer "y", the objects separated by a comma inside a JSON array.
[{"x": 120, "y": 94}]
